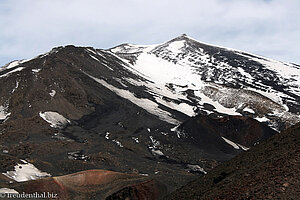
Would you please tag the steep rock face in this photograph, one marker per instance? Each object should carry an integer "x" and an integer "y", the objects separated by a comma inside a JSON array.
[
  {"x": 244, "y": 130},
  {"x": 269, "y": 170},
  {"x": 215, "y": 136}
]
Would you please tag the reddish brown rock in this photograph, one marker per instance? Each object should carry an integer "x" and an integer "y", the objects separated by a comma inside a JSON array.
[{"x": 96, "y": 184}]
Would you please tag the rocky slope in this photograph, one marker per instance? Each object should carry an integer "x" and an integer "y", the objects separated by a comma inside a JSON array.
[{"x": 270, "y": 170}]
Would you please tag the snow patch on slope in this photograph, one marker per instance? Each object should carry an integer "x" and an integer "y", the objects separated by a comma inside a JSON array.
[
  {"x": 13, "y": 71},
  {"x": 155, "y": 147},
  {"x": 136, "y": 139},
  {"x": 36, "y": 70},
  {"x": 118, "y": 143},
  {"x": 95, "y": 58},
  {"x": 176, "y": 46},
  {"x": 55, "y": 119},
  {"x": 249, "y": 110},
  {"x": 3, "y": 112},
  {"x": 17, "y": 85},
  {"x": 196, "y": 168},
  {"x": 235, "y": 145},
  {"x": 8, "y": 190},
  {"x": 163, "y": 71},
  {"x": 25, "y": 172},
  {"x": 52, "y": 93},
  {"x": 14, "y": 64},
  {"x": 262, "y": 119}
]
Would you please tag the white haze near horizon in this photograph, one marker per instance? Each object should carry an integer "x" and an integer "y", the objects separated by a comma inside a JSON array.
[{"x": 270, "y": 28}]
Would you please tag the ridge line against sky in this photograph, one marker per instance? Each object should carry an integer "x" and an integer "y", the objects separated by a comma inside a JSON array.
[{"x": 270, "y": 28}]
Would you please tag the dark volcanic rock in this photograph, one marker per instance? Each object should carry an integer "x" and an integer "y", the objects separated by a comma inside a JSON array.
[
  {"x": 270, "y": 170},
  {"x": 210, "y": 134}
]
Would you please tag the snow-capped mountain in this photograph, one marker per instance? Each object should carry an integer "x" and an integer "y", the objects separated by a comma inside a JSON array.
[
  {"x": 217, "y": 79},
  {"x": 167, "y": 111},
  {"x": 193, "y": 77}
]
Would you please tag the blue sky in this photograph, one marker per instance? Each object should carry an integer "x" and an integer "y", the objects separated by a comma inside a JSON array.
[{"x": 270, "y": 28}]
